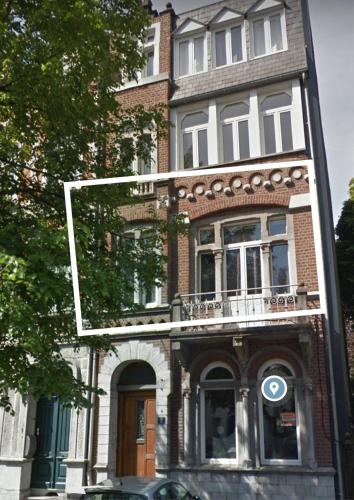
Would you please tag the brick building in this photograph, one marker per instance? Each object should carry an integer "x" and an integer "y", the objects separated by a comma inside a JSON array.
[{"x": 245, "y": 284}]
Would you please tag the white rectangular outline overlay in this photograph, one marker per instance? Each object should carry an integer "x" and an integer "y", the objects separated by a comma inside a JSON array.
[{"x": 68, "y": 186}]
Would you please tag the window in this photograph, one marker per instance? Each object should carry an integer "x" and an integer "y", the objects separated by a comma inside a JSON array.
[
  {"x": 151, "y": 51},
  {"x": 218, "y": 415},
  {"x": 279, "y": 421},
  {"x": 191, "y": 55},
  {"x": 142, "y": 295},
  {"x": 228, "y": 46},
  {"x": 235, "y": 133},
  {"x": 195, "y": 140},
  {"x": 268, "y": 34},
  {"x": 144, "y": 162},
  {"x": 251, "y": 252},
  {"x": 277, "y": 128}
]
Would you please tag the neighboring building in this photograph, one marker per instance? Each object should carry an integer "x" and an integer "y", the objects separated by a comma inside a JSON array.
[{"x": 186, "y": 402}]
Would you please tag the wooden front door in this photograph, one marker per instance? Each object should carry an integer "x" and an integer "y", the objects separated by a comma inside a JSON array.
[{"x": 136, "y": 434}]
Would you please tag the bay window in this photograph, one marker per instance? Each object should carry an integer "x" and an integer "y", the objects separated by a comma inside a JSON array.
[
  {"x": 235, "y": 132},
  {"x": 218, "y": 415},
  {"x": 228, "y": 45},
  {"x": 195, "y": 140},
  {"x": 268, "y": 34},
  {"x": 279, "y": 421},
  {"x": 277, "y": 127}
]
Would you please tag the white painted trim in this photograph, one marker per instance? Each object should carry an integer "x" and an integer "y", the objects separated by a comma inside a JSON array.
[
  {"x": 300, "y": 200},
  {"x": 254, "y": 125},
  {"x": 297, "y": 118},
  {"x": 227, "y": 27},
  {"x": 267, "y": 33},
  {"x": 191, "y": 66},
  {"x": 213, "y": 133}
]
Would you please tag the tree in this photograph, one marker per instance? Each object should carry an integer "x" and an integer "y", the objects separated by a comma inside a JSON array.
[
  {"x": 345, "y": 254},
  {"x": 60, "y": 63}
]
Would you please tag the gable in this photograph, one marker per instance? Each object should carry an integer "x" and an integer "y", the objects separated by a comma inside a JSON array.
[
  {"x": 226, "y": 15},
  {"x": 261, "y": 5},
  {"x": 188, "y": 26}
]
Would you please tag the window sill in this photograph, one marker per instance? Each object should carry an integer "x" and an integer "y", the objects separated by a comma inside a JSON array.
[
  {"x": 253, "y": 58},
  {"x": 261, "y": 469},
  {"x": 177, "y": 78},
  {"x": 214, "y": 68},
  {"x": 143, "y": 81}
]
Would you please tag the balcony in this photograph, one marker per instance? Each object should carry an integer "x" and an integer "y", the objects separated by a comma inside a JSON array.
[
  {"x": 252, "y": 307},
  {"x": 143, "y": 189}
]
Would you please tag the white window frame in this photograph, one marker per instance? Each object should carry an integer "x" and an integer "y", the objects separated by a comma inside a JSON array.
[
  {"x": 267, "y": 33},
  {"x": 277, "y": 461},
  {"x": 191, "y": 63},
  {"x": 228, "y": 43},
  {"x": 234, "y": 121},
  {"x": 136, "y": 161},
  {"x": 266, "y": 239},
  {"x": 151, "y": 46},
  {"x": 276, "y": 112},
  {"x": 217, "y": 385},
  {"x": 243, "y": 259},
  {"x": 158, "y": 289},
  {"x": 194, "y": 131}
]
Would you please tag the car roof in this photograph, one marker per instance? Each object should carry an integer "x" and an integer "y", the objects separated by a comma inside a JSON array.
[{"x": 132, "y": 484}]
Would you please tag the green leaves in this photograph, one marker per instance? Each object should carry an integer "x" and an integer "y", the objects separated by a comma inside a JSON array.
[{"x": 59, "y": 120}]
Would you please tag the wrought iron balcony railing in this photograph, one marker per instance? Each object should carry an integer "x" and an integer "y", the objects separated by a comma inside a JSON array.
[{"x": 242, "y": 304}]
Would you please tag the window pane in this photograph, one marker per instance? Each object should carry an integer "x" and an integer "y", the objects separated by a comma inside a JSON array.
[
  {"x": 206, "y": 236},
  {"x": 199, "y": 54},
  {"x": 232, "y": 110},
  {"x": 140, "y": 424},
  {"x": 228, "y": 142},
  {"x": 258, "y": 37},
  {"x": 188, "y": 150},
  {"x": 203, "y": 147},
  {"x": 220, "y": 424},
  {"x": 243, "y": 139},
  {"x": 220, "y": 48},
  {"x": 233, "y": 271},
  {"x": 279, "y": 423},
  {"x": 219, "y": 373},
  {"x": 277, "y": 369},
  {"x": 207, "y": 276},
  {"x": 253, "y": 263},
  {"x": 236, "y": 44},
  {"x": 276, "y": 101},
  {"x": 280, "y": 268},
  {"x": 194, "y": 119},
  {"x": 242, "y": 232},
  {"x": 149, "y": 69},
  {"x": 277, "y": 226},
  {"x": 269, "y": 134},
  {"x": 286, "y": 136},
  {"x": 183, "y": 58},
  {"x": 275, "y": 33}
]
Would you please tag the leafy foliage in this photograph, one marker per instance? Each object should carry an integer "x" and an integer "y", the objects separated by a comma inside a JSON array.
[
  {"x": 345, "y": 254},
  {"x": 60, "y": 63}
]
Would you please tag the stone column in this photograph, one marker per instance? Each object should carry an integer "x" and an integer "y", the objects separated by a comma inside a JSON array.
[
  {"x": 187, "y": 425},
  {"x": 245, "y": 448},
  {"x": 306, "y": 423}
]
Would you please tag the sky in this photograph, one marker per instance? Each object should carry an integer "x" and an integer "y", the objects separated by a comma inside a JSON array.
[{"x": 332, "y": 24}]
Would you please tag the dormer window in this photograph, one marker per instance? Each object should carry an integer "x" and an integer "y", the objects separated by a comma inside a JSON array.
[
  {"x": 228, "y": 38},
  {"x": 190, "y": 48},
  {"x": 268, "y": 29}
]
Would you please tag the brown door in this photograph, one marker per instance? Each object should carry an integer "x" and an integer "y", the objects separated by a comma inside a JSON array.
[{"x": 136, "y": 434}]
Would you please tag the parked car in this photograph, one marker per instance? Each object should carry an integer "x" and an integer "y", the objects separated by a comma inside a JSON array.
[{"x": 138, "y": 488}]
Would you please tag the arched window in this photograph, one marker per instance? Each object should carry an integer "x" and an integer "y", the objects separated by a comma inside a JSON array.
[
  {"x": 279, "y": 420},
  {"x": 195, "y": 139},
  {"x": 277, "y": 128},
  {"x": 218, "y": 422},
  {"x": 235, "y": 135}
]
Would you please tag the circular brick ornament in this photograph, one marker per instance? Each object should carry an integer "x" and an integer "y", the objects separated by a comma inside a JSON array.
[
  {"x": 237, "y": 183},
  {"x": 182, "y": 193},
  {"x": 217, "y": 187},
  {"x": 199, "y": 189},
  {"x": 257, "y": 180},
  {"x": 277, "y": 177},
  {"x": 297, "y": 174}
]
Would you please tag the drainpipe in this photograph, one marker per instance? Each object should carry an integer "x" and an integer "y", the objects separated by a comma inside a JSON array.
[
  {"x": 91, "y": 378},
  {"x": 90, "y": 481}
]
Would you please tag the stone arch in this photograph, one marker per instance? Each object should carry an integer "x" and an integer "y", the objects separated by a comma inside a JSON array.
[
  {"x": 260, "y": 357},
  {"x": 108, "y": 377}
]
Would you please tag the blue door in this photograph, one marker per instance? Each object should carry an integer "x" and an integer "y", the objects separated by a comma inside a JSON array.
[{"x": 52, "y": 432}]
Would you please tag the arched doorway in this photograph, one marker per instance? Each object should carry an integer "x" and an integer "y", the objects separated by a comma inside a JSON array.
[{"x": 136, "y": 421}]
